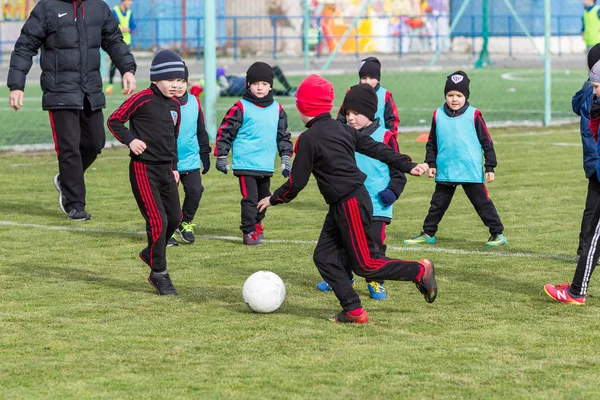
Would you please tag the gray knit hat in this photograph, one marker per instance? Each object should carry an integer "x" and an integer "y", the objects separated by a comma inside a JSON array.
[{"x": 166, "y": 65}]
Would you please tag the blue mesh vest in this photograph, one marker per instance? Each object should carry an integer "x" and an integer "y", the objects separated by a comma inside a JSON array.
[
  {"x": 188, "y": 149},
  {"x": 381, "y": 105},
  {"x": 255, "y": 146},
  {"x": 459, "y": 158},
  {"x": 378, "y": 176}
]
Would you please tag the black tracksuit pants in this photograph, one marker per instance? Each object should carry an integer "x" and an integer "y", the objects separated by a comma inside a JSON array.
[
  {"x": 477, "y": 194},
  {"x": 253, "y": 188},
  {"x": 345, "y": 244},
  {"x": 78, "y": 139},
  {"x": 589, "y": 258},
  {"x": 593, "y": 196},
  {"x": 193, "y": 189},
  {"x": 157, "y": 197},
  {"x": 377, "y": 232}
]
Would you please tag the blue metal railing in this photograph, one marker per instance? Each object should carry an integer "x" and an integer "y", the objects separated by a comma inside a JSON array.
[{"x": 153, "y": 33}]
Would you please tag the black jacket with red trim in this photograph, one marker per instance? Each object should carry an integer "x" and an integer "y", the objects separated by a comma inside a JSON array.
[
  {"x": 154, "y": 119},
  {"x": 397, "y": 177},
  {"x": 489, "y": 154},
  {"x": 390, "y": 113},
  {"x": 231, "y": 124},
  {"x": 70, "y": 34},
  {"x": 326, "y": 149},
  {"x": 201, "y": 133}
]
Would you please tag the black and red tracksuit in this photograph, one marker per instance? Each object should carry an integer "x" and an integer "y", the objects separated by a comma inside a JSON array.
[
  {"x": 326, "y": 150},
  {"x": 153, "y": 119}
]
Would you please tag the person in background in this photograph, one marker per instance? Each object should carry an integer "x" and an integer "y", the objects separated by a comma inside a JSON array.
[{"x": 127, "y": 25}]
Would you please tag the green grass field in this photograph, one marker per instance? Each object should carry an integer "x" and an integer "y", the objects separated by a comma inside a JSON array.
[
  {"x": 501, "y": 94},
  {"x": 79, "y": 320}
]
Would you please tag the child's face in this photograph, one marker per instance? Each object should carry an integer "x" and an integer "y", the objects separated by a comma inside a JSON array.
[
  {"x": 168, "y": 87},
  {"x": 371, "y": 81},
  {"x": 357, "y": 120},
  {"x": 260, "y": 89},
  {"x": 455, "y": 100},
  {"x": 181, "y": 88},
  {"x": 596, "y": 86}
]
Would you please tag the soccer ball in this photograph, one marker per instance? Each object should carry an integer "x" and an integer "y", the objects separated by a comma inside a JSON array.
[{"x": 264, "y": 292}]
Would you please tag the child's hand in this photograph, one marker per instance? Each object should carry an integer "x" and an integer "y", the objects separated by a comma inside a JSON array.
[
  {"x": 222, "y": 164},
  {"x": 286, "y": 166},
  {"x": 176, "y": 175},
  {"x": 263, "y": 204},
  {"x": 489, "y": 177},
  {"x": 137, "y": 146},
  {"x": 431, "y": 172},
  {"x": 419, "y": 170}
]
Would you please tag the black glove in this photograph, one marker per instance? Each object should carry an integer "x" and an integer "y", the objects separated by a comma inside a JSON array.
[
  {"x": 286, "y": 166},
  {"x": 222, "y": 164},
  {"x": 388, "y": 197},
  {"x": 205, "y": 158},
  {"x": 595, "y": 108}
]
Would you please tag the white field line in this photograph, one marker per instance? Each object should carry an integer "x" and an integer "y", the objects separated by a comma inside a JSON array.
[{"x": 303, "y": 242}]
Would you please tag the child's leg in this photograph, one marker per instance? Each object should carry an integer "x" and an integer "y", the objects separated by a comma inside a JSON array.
[
  {"x": 249, "y": 189},
  {"x": 440, "y": 201},
  {"x": 329, "y": 258},
  {"x": 111, "y": 73},
  {"x": 145, "y": 183},
  {"x": 193, "y": 189},
  {"x": 589, "y": 258},
  {"x": 170, "y": 200},
  {"x": 478, "y": 195},
  {"x": 377, "y": 232},
  {"x": 264, "y": 190},
  {"x": 353, "y": 219},
  {"x": 281, "y": 77},
  {"x": 593, "y": 196}
]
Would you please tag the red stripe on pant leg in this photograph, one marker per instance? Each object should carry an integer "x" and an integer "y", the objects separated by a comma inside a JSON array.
[
  {"x": 157, "y": 219},
  {"x": 383, "y": 233},
  {"x": 149, "y": 203},
  {"x": 244, "y": 189},
  {"x": 348, "y": 217},
  {"x": 362, "y": 256},
  {"x": 487, "y": 196},
  {"x": 362, "y": 238},
  {"x": 53, "y": 132}
]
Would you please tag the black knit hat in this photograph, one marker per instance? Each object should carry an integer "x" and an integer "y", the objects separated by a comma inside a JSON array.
[
  {"x": 362, "y": 99},
  {"x": 259, "y": 72},
  {"x": 370, "y": 67},
  {"x": 458, "y": 81},
  {"x": 186, "y": 73},
  {"x": 593, "y": 56},
  {"x": 166, "y": 65}
]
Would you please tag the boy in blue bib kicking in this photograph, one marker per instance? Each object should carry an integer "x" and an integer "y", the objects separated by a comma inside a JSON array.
[
  {"x": 458, "y": 143},
  {"x": 254, "y": 130}
]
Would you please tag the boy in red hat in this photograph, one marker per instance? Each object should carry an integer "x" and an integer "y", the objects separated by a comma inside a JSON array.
[{"x": 326, "y": 149}]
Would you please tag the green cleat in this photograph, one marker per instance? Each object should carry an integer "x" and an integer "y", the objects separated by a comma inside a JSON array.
[
  {"x": 423, "y": 238},
  {"x": 497, "y": 239}
]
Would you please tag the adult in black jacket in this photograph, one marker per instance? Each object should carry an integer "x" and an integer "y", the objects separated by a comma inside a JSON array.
[{"x": 70, "y": 34}]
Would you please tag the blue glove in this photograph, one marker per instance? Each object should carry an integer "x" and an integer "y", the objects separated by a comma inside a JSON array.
[
  {"x": 286, "y": 166},
  {"x": 205, "y": 162},
  {"x": 387, "y": 197},
  {"x": 222, "y": 164}
]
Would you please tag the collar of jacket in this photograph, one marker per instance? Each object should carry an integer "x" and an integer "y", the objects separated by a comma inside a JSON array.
[
  {"x": 157, "y": 91},
  {"x": 453, "y": 114},
  {"x": 376, "y": 88},
  {"x": 319, "y": 117},
  {"x": 368, "y": 130},
  {"x": 183, "y": 99}
]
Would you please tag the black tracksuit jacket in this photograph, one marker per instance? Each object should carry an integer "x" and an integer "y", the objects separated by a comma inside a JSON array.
[
  {"x": 154, "y": 119},
  {"x": 327, "y": 150}
]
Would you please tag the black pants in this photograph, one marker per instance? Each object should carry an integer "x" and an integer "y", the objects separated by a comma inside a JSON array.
[
  {"x": 589, "y": 258},
  {"x": 253, "y": 189},
  {"x": 111, "y": 73},
  {"x": 157, "y": 197},
  {"x": 377, "y": 232},
  {"x": 193, "y": 189},
  {"x": 345, "y": 244},
  {"x": 78, "y": 139},
  {"x": 477, "y": 194},
  {"x": 593, "y": 196}
]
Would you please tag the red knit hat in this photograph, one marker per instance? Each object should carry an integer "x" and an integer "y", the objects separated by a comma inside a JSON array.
[{"x": 314, "y": 96}]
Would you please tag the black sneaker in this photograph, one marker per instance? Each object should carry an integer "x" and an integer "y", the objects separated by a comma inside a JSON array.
[
  {"x": 162, "y": 283},
  {"x": 61, "y": 198},
  {"x": 172, "y": 241},
  {"x": 78, "y": 215},
  {"x": 186, "y": 232},
  {"x": 427, "y": 285}
]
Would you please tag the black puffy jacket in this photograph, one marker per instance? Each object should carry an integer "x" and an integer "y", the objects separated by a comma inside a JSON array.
[{"x": 70, "y": 34}]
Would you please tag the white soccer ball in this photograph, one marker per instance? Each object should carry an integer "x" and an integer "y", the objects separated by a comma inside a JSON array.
[{"x": 264, "y": 292}]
